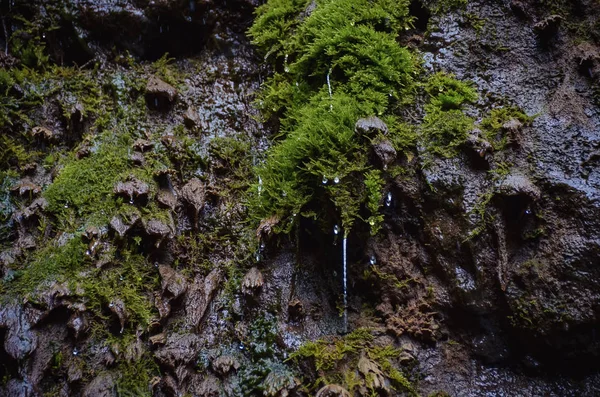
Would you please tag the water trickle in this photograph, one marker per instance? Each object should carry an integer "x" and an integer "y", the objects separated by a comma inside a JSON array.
[
  {"x": 156, "y": 102},
  {"x": 286, "y": 68},
  {"x": 192, "y": 5},
  {"x": 345, "y": 267},
  {"x": 325, "y": 180},
  {"x": 388, "y": 199},
  {"x": 373, "y": 260},
  {"x": 161, "y": 29},
  {"x": 336, "y": 230},
  {"x": 330, "y": 92},
  {"x": 336, "y": 180},
  {"x": 260, "y": 185}
]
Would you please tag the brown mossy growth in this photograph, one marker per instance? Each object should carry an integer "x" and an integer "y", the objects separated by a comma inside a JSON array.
[
  {"x": 354, "y": 362},
  {"x": 416, "y": 319}
]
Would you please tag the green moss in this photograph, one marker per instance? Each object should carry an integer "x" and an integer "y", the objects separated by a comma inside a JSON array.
[
  {"x": 335, "y": 361},
  {"x": 492, "y": 125}
]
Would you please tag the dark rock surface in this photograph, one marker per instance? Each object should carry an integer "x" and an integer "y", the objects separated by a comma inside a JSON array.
[{"x": 485, "y": 273}]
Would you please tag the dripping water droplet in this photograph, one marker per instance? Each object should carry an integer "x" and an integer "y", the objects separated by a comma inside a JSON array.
[
  {"x": 336, "y": 180},
  {"x": 388, "y": 199},
  {"x": 75, "y": 352},
  {"x": 336, "y": 230},
  {"x": 373, "y": 260},
  {"x": 325, "y": 180}
]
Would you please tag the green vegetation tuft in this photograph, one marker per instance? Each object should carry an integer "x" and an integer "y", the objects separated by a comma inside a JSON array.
[{"x": 336, "y": 361}]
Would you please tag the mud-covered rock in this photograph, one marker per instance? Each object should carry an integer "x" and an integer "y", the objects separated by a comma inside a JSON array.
[
  {"x": 159, "y": 230},
  {"x": 117, "y": 307},
  {"x": 103, "y": 385},
  {"x": 193, "y": 194},
  {"x": 178, "y": 350},
  {"x": 200, "y": 294},
  {"x": 123, "y": 225},
  {"x": 20, "y": 340},
  {"x": 26, "y": 187},
  {"x": 223, "y": 365},
  {"x": 252, "y": 282},
  {"x": 173, "y": 284},
  {"x": 385, "y": 152},
  {"x": 370, "y": 126},
  {"x": 133, "y": 190},
  {"x": 159, "y": 94}
]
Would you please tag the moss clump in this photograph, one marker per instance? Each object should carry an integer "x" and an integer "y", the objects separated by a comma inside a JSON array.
[
  {"x": 445, "y": 125},
  {"x": 492, "y": 126},
  {"x": 339, "y": 62},
  {"x": 337, "y": 361}
]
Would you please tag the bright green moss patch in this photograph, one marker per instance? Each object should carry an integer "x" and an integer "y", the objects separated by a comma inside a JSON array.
[
  {"x": 339, "y": 61},
  {"x": 344, "y": 361}
]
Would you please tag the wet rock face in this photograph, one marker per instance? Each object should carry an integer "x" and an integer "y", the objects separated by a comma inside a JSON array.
[
  {"x": 160, "y": 95},
  {"x": 370, "y": 125}
]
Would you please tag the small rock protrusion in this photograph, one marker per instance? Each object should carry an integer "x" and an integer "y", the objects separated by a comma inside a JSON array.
[
  {"x": 117, "y": 307},
  {"x": 194, "y": 194},
  {"x": 143, "y": 145},
  {"x": 43, "y": 134},
  {"x": 370, "y": 126},
  {"x": 223, "y": 365},
  {"x": 513, "y": 128},
  {"x": 159, "y": 94},
  {"x": 547, "y": 27},
  {"x": 517, "y": 184},
  {"x": 137, "y": 158},
  {"x": 191, "y": 119},
  {"x": 385, "y": 152},
  {"x": 371, "y": 370},
  {"x": 133, "y": 189},
  {"x": 332, "y": 391},
  {"x": 173, "y": 283},
  {"x": 253, "y": 282},
  {"x": 102, "y": 386},
  {"x": 160, "y": 230},
  {"x": 78, "y": 324},
  {"x": 25, "y": 187},
  {"x": 158, "y": 339},
  {"x": 123, "y": 226}
]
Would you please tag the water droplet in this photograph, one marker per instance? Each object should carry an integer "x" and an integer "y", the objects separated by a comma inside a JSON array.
[
  {"x": 75, "y": 352},
  {"x": 336, "y": 180},
  {"x": 262, "y": 246},
  {"x": 325, "y": 180},
  {"x": 373, "y": 260},
  {"x": 385, "y": 167},
  {"x": 241, "y": 346},
  {"x": 372, "y": 222},
  {"x": 527, "y": 211},
  {"x": 121, "y": 278},
  {"x": 88, "y": 253},
  {"x": 283, "y": 194},
  {"x": 336, "y": 229},
  {"x": 43, "y": 35},
  {"x": 286, "y": 69},
  {"x": 131, "y": 201},
  {"x": 388, "y": 199},
  {"x": 260, "y": 185},
  {"x": 111, "y": 305},
  {"x": 66, "y": 205}
]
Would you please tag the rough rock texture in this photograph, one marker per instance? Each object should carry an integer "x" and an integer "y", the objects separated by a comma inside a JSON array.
[{"x": 484, "y": 274}]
